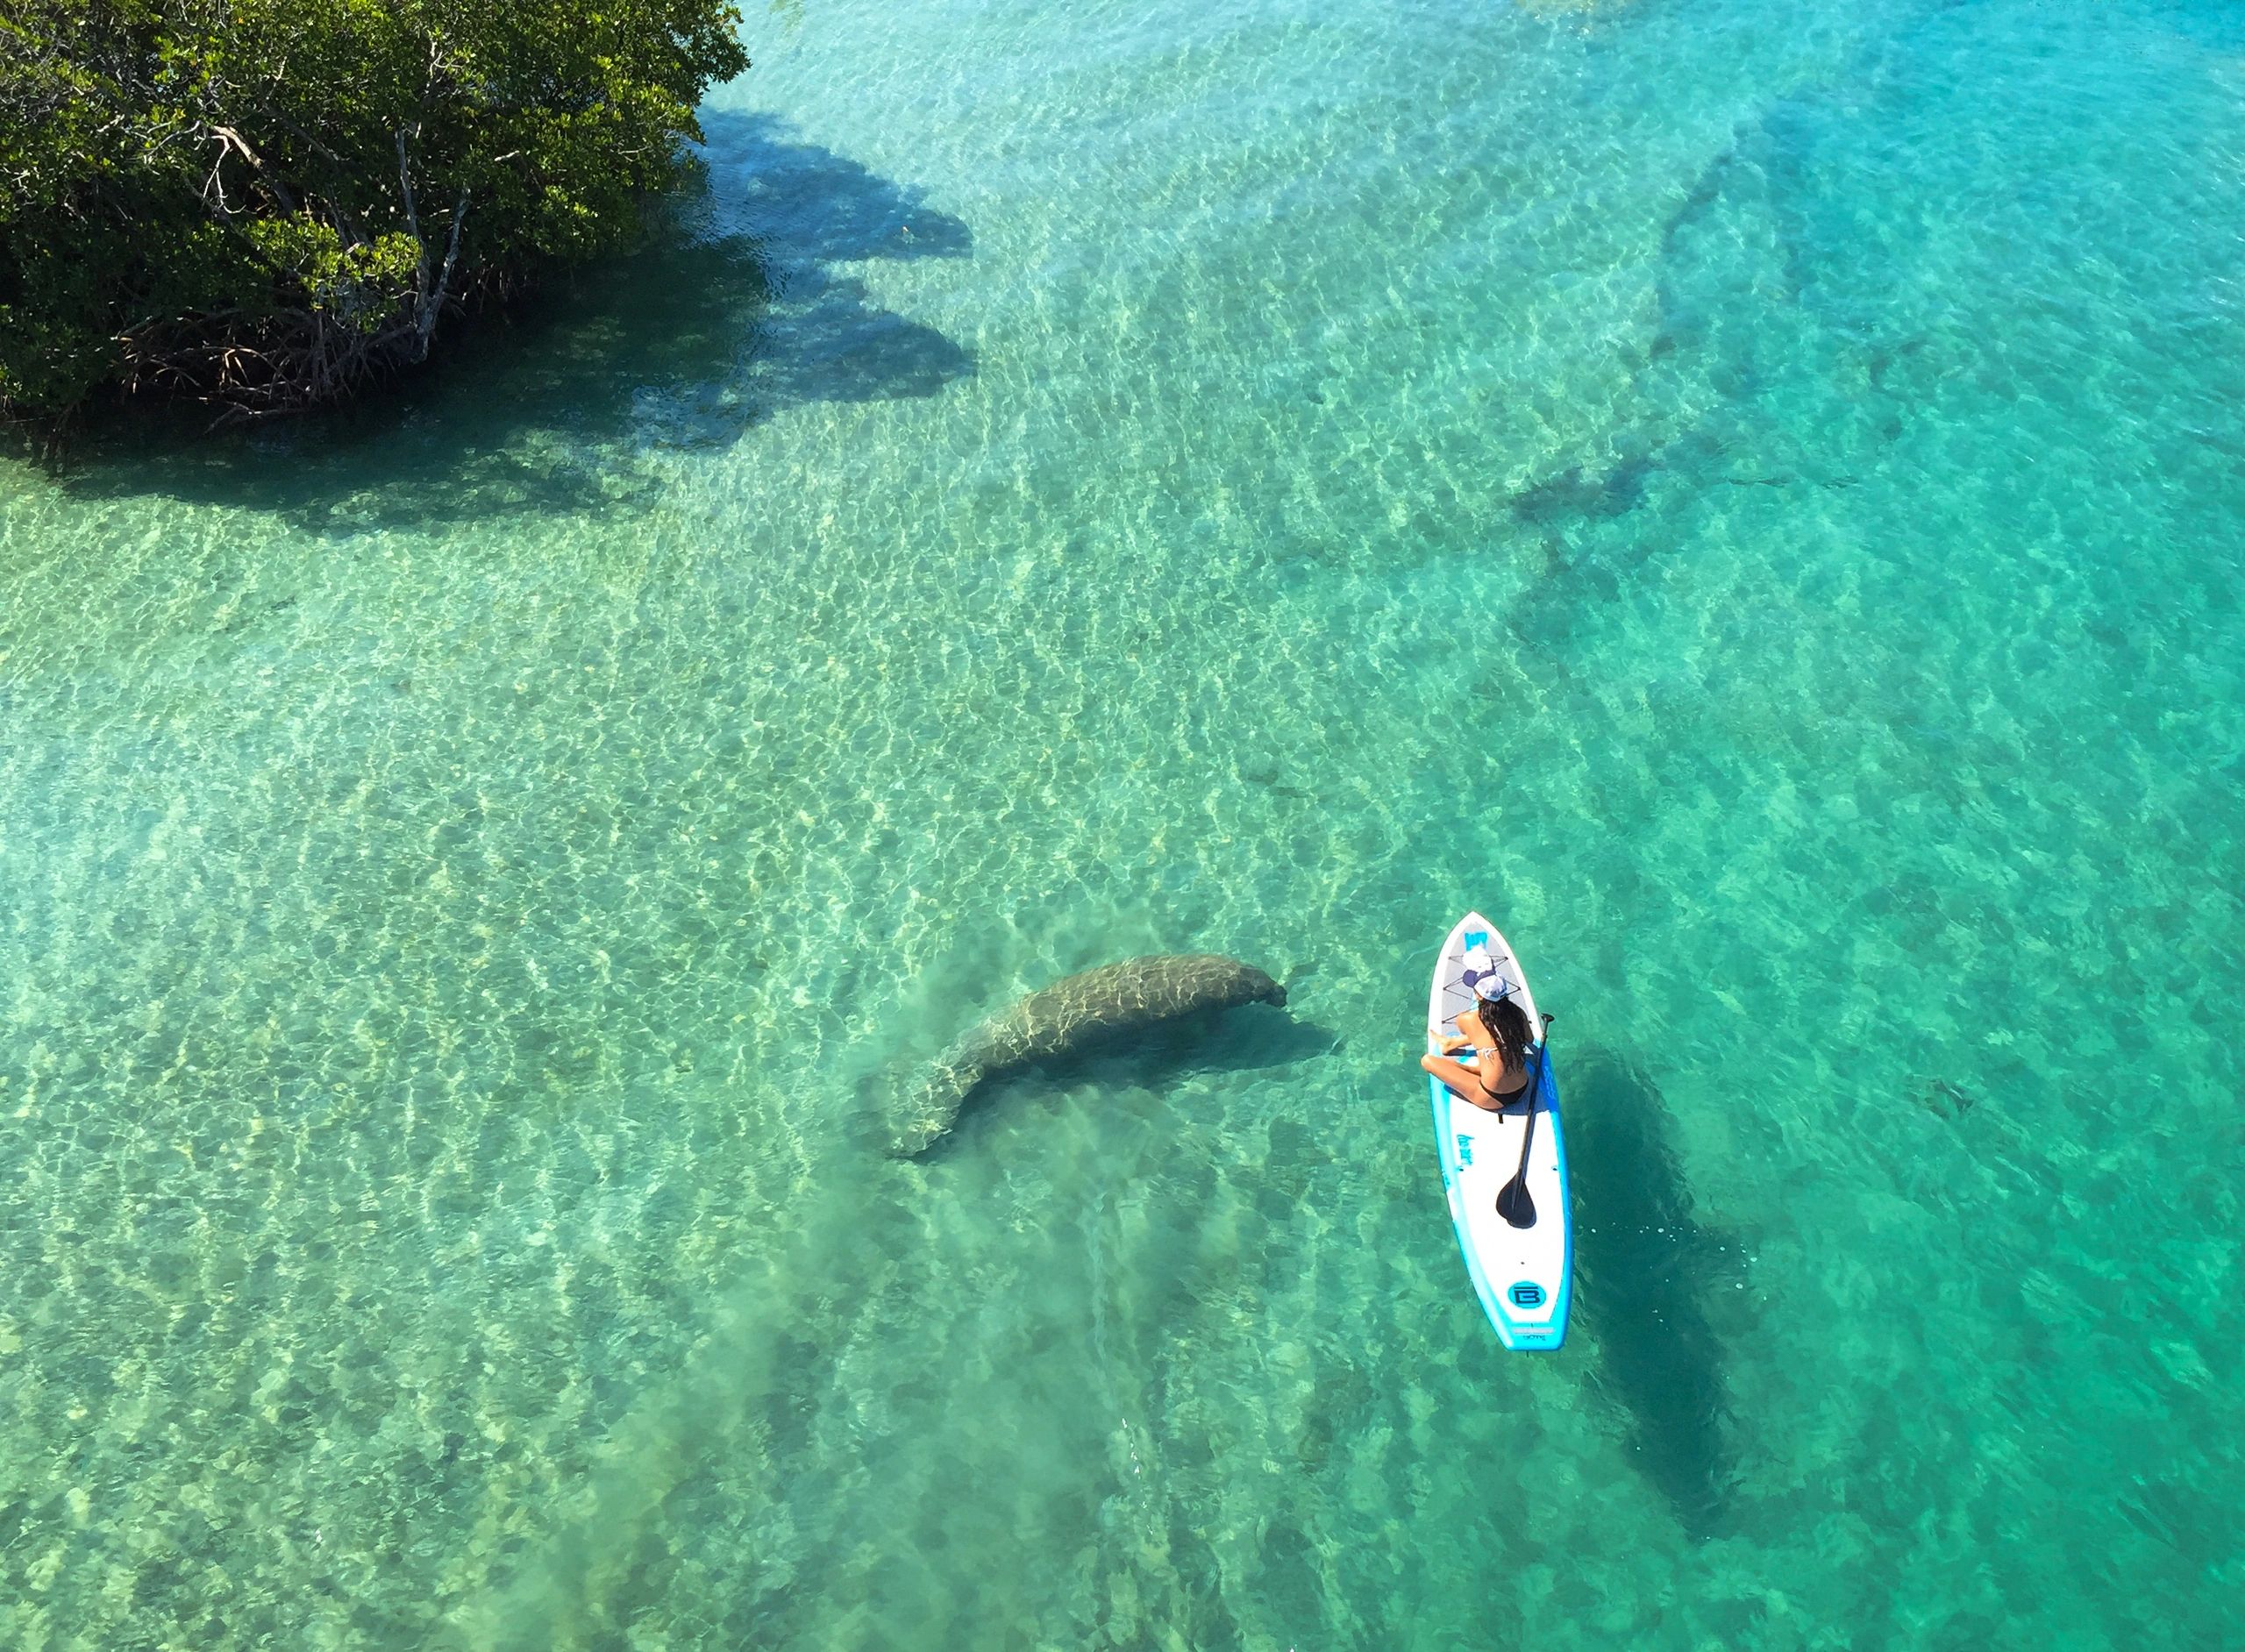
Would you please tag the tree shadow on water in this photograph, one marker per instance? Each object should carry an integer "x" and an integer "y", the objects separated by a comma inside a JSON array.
[
  {"x": 1646, "y": 1270},
  {"x": 739, "y": 304}
]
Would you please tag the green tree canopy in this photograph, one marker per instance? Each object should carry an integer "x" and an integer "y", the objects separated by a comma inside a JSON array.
[{"x": 264, "y": 202}]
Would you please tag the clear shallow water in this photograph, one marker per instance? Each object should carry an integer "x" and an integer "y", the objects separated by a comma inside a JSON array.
[{"x": 1749, "y": 498}]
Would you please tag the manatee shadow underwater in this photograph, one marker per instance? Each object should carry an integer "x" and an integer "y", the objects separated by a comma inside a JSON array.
[{"x": 1645, "y": 1271}]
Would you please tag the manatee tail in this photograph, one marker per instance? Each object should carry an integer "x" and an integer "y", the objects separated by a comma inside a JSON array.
[{"x": 926, "y": 1118}]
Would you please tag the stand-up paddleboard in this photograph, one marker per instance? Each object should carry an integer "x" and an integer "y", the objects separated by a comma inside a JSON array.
[{"x": 1523, "y": 1275}]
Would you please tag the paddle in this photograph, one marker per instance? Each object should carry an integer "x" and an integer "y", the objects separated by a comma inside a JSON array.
[{"x": 1513, "y": 1202}]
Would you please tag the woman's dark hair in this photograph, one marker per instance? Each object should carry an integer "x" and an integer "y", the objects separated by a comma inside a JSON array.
[{"x": 1508, "y": 1028}]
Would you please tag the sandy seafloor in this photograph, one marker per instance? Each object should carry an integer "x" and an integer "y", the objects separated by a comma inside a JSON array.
[{"x": 1748, "y": 495}]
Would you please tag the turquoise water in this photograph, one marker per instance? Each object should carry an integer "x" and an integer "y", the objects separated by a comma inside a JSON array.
[{"x": 1748, "y": 496}]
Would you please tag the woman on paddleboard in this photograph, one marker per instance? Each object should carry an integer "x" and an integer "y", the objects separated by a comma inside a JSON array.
[{"x": 1496, "y": 1030}]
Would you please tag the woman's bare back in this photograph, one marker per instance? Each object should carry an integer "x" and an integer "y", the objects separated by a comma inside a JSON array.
[{"x": 1491, "y": 1093}]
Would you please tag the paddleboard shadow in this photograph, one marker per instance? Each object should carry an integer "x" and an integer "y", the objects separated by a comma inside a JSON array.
[{"x": 1649, "y": 1272}]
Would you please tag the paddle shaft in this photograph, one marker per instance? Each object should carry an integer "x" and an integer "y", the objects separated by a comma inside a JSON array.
[{"x": 1513, "y": 1202}]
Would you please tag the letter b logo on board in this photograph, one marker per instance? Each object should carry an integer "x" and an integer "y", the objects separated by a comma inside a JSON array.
[{"x": 1527, "y": 1294}]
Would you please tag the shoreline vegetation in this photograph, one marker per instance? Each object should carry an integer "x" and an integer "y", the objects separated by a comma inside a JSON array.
[{"x": 265, "y": 206}]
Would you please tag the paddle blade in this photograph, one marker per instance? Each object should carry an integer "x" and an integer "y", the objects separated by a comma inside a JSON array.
[{"x": 1513, "y": 1204}]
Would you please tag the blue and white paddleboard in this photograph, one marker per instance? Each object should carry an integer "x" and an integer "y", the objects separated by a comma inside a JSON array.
[{"x": 1523, "y": 1275}]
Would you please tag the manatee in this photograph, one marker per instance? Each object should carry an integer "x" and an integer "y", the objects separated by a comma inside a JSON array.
[
  {"x": 1077, "y": 1014},
  {"x": 1943, "y": 1100}
]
